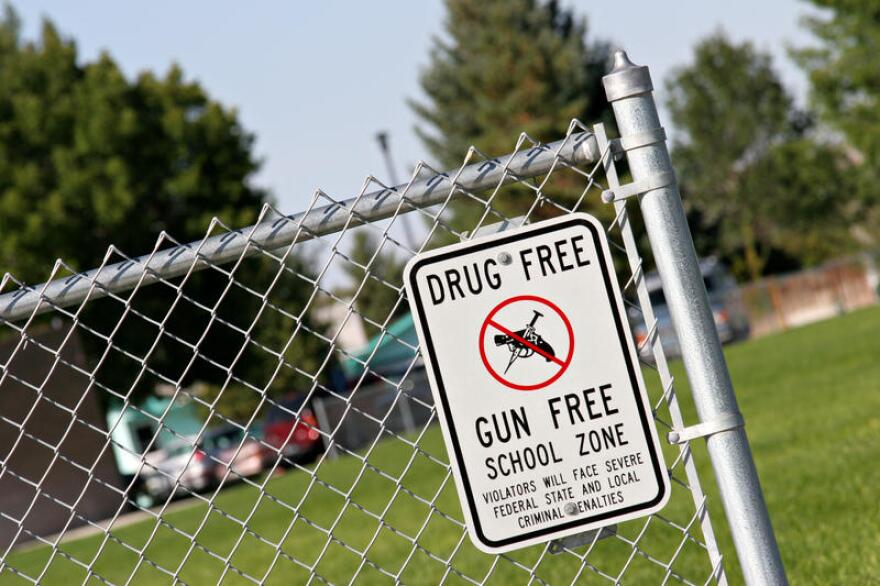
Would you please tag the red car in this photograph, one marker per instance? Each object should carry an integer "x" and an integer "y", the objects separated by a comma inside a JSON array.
[{"x": 297, "y": 439}]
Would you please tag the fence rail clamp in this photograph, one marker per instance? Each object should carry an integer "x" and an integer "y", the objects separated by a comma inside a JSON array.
[{"x": 642, "y": 139}]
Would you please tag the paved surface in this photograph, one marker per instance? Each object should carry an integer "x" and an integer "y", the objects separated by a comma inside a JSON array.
[{"x": 96, "y": 527}]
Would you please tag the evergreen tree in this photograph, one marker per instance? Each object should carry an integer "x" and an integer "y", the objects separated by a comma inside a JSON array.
[
  {"x": 89, "y": 158},
  {"x": 505, "y": 67}
]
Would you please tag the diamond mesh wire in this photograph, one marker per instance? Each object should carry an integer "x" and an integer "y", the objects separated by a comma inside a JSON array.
[{"x": 135, "y": 422}]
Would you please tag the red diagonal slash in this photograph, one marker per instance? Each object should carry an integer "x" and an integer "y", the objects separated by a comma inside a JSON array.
[{"x": 521, "y": 340}]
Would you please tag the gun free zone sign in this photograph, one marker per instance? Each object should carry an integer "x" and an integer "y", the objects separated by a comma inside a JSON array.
[{"x": 536, "y": 383}]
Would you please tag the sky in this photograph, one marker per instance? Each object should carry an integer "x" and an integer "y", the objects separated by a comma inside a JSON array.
[{"x": 315, "y": 81}]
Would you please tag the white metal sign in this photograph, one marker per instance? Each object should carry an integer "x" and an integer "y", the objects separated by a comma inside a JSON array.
[{"x": 536, "y": 383}]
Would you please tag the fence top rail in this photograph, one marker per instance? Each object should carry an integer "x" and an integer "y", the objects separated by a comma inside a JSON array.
[{"x": 577, "y": 148}]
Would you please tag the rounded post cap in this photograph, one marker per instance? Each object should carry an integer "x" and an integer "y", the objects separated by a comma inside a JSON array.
[
  {"x": 626, "y": 78},
  {"x": 621, "y": 61}
]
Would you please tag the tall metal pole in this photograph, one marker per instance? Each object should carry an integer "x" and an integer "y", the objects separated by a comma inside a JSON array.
[
  {"x": 382, "y": 138},
  {"x": 629, "y": 89}
]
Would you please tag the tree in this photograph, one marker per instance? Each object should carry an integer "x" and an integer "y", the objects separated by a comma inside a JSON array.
[
  {"x": 748, "y": 169},
  {"x": 89, "y": 158},
  {"x": 806, "y": 187},
  {"x": 505, "y": 67},
  {"x": 845, "y": 90}
]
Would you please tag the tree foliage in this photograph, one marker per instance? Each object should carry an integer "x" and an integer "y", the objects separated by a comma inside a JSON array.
[
  {"x": 845, "y": 90},
  {"x": 89, "y": 157},
  {"x": 753, "y": 178},
  {"x": 504, "y": 67}
]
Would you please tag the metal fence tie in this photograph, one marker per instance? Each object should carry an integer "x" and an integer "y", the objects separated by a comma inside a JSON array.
[
  {"x": 638, "y": 187},
  {"x": 724, "y": 422}
]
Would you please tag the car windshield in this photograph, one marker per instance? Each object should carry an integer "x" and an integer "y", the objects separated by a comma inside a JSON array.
[
  {"x": 658, "y": 299},
  {"x": 223, "y": 440}
]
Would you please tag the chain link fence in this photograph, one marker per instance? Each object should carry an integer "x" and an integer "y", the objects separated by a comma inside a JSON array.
[
  {"x": 377, "y": 504},
  {"x": 185, "y": 417}
]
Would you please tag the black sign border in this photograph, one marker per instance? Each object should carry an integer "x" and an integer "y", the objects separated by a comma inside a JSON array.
[{"x": 623, "y": 338}]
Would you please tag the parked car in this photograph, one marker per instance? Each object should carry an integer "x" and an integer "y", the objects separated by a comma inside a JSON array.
[
  {"x": 292, "y": 429},
  {"x": 725, "y": 301},
  {"x": 222, "y": 443},
  {"x": 207, "y": 466},
  {"x": 193, "y": 474}
]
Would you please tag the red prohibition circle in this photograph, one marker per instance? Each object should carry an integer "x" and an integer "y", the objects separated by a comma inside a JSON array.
[{"x": 490, "y": 322}]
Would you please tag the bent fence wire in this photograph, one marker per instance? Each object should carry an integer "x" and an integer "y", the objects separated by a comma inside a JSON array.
[{"x": 115, "y": 381}]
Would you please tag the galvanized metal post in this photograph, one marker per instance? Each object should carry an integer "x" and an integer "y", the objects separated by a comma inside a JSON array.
[{"x": 629, "y": 89}]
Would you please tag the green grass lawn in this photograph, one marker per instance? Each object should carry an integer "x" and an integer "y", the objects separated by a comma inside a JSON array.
[{"x": 811, "y": 399}]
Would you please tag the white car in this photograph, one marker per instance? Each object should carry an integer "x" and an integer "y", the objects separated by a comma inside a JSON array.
[{"x": 181, "y": 461}]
